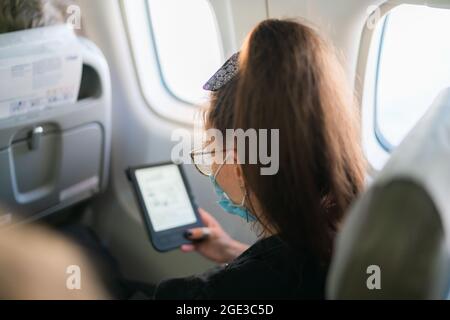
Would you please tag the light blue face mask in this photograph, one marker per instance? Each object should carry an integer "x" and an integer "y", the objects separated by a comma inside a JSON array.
[{"x": 228, "y": 205}]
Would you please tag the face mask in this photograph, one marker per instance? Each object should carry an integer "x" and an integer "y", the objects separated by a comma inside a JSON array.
[{"x": 228, "y": 205}]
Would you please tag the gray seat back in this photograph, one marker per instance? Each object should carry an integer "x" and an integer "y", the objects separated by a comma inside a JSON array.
[
  {"x": 395, "y": 242},
  {"x": 55, "y": 123}
]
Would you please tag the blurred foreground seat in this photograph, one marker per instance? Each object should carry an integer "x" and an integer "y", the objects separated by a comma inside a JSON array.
[
  {"x": 395, "y": 242},
  {"x": 39, "y": 264}
]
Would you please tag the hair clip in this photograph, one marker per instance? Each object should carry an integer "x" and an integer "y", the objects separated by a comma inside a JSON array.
[{"x": 224, "y": 75}]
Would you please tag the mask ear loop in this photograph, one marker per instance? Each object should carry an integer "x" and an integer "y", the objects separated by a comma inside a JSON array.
[
  {"x": 245, "y": 193},
  {"x": 221, "y": 165},
  {"x": 243, "y": 199},
  {"x": 245, "y": 189},
  {"x": 243, "y": 202}
]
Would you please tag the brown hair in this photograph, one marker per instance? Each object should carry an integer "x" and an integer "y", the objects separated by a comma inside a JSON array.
[
  {"x": 16, "y": 15},
  {"x": 220, "y": 114},
  {"x": 290, "y": 79}
]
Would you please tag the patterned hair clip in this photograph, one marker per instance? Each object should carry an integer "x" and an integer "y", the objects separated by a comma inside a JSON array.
[{"x": 224, "y": 75}]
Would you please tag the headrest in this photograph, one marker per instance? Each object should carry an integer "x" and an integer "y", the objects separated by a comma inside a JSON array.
[
  {"x": 400, "y": 227},
  {"x": 39, "y": 68}
]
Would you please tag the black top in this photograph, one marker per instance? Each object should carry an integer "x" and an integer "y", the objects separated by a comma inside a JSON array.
[{"x": 267, "y": 270}]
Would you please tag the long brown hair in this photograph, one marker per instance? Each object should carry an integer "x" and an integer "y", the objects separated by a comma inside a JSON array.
[{"x": 290, "y": 79}]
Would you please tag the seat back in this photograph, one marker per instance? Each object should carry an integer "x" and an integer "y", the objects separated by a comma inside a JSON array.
[
  {"x": 55, "y": 121},
  {"x": 395, "y": 242}
]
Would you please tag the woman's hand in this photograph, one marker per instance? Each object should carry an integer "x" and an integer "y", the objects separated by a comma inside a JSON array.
[{"x": 212, "y": 241}]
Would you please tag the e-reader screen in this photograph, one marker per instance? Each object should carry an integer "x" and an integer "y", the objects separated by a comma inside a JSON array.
[{"x": 165, "y": 197}]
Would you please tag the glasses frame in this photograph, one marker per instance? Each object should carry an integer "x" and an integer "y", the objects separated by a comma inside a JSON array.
[{"x": 200, "y": 152}]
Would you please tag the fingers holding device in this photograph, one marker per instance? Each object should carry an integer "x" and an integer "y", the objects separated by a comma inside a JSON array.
[
  {"x": 212, "y": 241},
  {"x": 198, "y": 234}
]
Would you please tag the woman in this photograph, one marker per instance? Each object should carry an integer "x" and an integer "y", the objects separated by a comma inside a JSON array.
[{"x": 286, "y": 77}]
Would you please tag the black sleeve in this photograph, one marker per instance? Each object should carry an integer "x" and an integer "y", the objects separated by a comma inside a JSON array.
[
  {"x": 190, "y": 288},
  {"x": 252, "y": 279}
]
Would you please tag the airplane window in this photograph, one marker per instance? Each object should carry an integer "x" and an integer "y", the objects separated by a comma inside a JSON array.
[
  {"x": 188, "y": 45},
  {"x": 413, "y": 67}
]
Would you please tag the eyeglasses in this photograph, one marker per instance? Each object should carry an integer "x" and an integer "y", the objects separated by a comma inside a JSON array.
[{"x": 203, "y": 160}]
